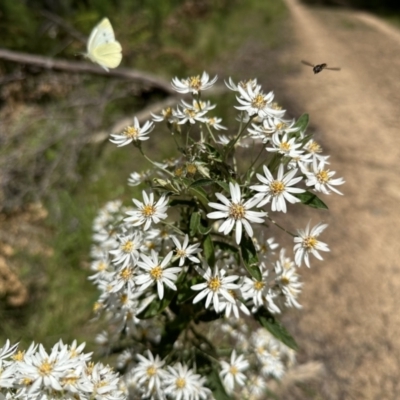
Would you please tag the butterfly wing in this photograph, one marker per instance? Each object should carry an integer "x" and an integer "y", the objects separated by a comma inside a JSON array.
[
  {"x": 108, "y": 55},
  {"x": 102, "y": 48}
]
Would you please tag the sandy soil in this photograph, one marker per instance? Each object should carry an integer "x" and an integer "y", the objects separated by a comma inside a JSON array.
[{"x": 350, "y": 321}]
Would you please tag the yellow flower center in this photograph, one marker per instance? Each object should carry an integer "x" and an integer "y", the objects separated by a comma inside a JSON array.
[
  {"x": 127, "y": 247},
  {"x": 276, "y": 106},
  {"x": 156, "y": 273},
  {"x": 195, "y": 82},
  {"x": 314, "y": 147},
  {"x": 214, "y": 284},
  {"x": 280, "y": 126},
  {"x": 151, "y": 370},
  {"x": 167, "y": 113},
  {"x": 18, "y": 356},
  {"x": 45, "y": 368},
  {"x": 180, "y": 383},
  {"x": 258, "y": 285},
  {"x": 259, "y": 102},
  {"x": 191, "y": 168},
  {"x": 233, "y": 370},
  {"x": 101, "y": 266},
  {"x": 285, "y": 281},
  {"x": 180, "y": 252},
  {"x": 190, "y": 113},
  {"x": 178, "y": 172},
  {"x": 285, "y": 146},
  {"x": 323, "y": 176},
  {"x": 237, "y": 211},
  {"x": 123, "y": 298},
  {"x": 126, "y": 274},
  {"x": 131, "y": 132},
  {"x": 310, "y": 242},
  {"x": 148, "y": 210},
  {"x": 277, "y": 187}
]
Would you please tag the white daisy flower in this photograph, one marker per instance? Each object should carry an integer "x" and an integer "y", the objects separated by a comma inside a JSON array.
[
  {"x": 255, "y": 102},
  {"x": 183, "y": 384},
  {"x": 184, "y": 251},
  {"x": 217, "y": 284},
  {"x": 167, "y": 114},
  {"x": 307, "y": 243},
  {"x": 236, "y": 212},
  {"x": 188, "y": 113},
  {"x": 136, "y": 178},
  {"x": 232, "y": 85},
  {"x": 234, "y": 307},
  {"x": 283, "y": 145},
  {"x": 149, "y": 211},
  {"x": 321, "y": 178},
  {"x": 214, "y": 122},
  {"x": 157, "y": 273},
  {"x": 128, "y": 249},
  {"x": 133, "y": 133},
  {"x": 278, "y": 190},
  {"x": 231, "y": 372},
  {"x": 149, "y": 375},
  {"x": 194, "y": 84}
]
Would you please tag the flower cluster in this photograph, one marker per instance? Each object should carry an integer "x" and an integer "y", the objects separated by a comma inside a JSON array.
[
  {"x": 199, "y": 245},
  {"x": 64, "y": 373}
]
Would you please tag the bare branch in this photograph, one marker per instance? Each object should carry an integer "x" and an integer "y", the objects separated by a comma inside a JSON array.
[{"x": 84, "y": 67}]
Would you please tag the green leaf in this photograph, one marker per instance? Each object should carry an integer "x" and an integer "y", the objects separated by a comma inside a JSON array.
[
  {"x": 209, "y": 252},
  {"x": 194, "y": 223},
  {"x": 310, "y": 199},
  {"x": 202, "y": 182},
  {"x": 216, "y": 386},
  {"x": 157, "y": 306},
  {"x": 302, "y": 123},
  {"x": 224, "y": 186},
  {"x": 267, "y": 320},
  {"x": 249, "y": 256},
  {"x": 200, "y": 194}
]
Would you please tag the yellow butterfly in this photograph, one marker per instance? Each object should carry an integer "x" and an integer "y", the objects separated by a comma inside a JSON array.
[{"x": 102, "y": 48}]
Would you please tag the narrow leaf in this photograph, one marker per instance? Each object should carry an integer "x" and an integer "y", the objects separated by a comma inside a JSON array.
[
  {"x": 202, "y": 182},
  {"x": 311, "y": 199},
  {"x": 302, "y": 122},
  {"x": 209, "y": 252},
  {"x": 249, "y": 256},
  {"x": 194, "y": 223},
  {"x": 273, "y": 326}
]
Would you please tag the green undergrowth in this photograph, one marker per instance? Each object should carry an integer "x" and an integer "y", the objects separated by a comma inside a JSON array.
[{"x": 61, "y": 296}]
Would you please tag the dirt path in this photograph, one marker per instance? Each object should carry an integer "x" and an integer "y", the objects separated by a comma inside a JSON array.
[{"x": 351, "y": 319}]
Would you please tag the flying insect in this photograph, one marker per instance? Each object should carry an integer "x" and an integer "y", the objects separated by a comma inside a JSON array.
[{"x": 319, "y": 67}]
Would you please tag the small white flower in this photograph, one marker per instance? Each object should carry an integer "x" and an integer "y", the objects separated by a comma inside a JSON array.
[
  {"x": 149, "y": 211},
  {"x": 287, "y": 147},
  {"x": 150, "y": 375},
  {"x": 234, "y": 307},
  {"x": 231, "y": 372},
  {"x": 157, "y": 273},
  {"x": 190, "y": 113},
  {"x": 236, "y": 212},
  {"x": 136, "y": 179},
  {"x": 133, "y": 133},
  {"x": 214, "y": 122},
  {"x": 128, "y": 249},
  {"x": 255, "y": 102},
  {"x": 184, "y": 251},
  {"x": 307, "y": 243},
  {"x": 183, "y": 384},
  {"x": 279, "y": 189},
  {"x": 321, "y": 178},
  {"x": 217, "y": 284},
  {"x": 168, "y": 114},
  {"x": 194, "y": 84},
  {"x": 232, "y": 86}
]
